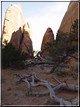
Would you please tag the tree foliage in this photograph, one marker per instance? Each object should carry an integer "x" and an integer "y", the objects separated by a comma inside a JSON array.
[
  {"x": 11, "y": 56},
  {"x": 74, "y": 31},
  {"x": 63, "y": 43}
]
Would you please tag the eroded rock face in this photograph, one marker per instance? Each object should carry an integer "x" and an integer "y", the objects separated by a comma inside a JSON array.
[
  {"x": 69, "y": 17},
  {"x": 26, "y": 39},
  {"x": 13, "y": 25},
  {"x": 48, "y": 37},
  {"x": 28, "y": 28}
]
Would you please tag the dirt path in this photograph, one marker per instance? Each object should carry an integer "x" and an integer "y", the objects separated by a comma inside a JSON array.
[{"x": 16, "y": 94}]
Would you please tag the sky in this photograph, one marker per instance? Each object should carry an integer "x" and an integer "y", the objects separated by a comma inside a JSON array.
[{"x": 40, "y": 16}]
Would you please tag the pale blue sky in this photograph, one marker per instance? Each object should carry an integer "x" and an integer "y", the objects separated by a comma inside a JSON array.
[{"x": 40, "y": 15}]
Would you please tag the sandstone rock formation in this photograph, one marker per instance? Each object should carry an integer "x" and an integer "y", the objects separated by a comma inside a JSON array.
[
  {"x": 26, "y": 39},
  {"x": 29, "y": 30},
  {"x": 13, "y": 25},
  {"x": 69, "y": 17},
  {"x": 48, "y": 37}
]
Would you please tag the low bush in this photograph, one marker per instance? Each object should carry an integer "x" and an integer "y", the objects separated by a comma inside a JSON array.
[
  {"x": 62, "y": 73},
  {"x": 11, "y": 56},
  {"x": 63, "y": 43}
]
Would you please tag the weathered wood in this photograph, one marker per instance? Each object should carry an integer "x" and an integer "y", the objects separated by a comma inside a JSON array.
[
  {"x": 51, "y": 87},
  {"x": 40, "y": 93},
  {"x": 71, "y": 87},
  {"x": 29, "y": 87},
  {"x": 66, "y": 86},
  {"x": 39, "y": 63},
  {"x": 44, "y": 81},
  {"x": 56, "y": 80},
  {"x": 53, "y": 96},
  {"x": 38, "y": 55},
  {"x": 61, "y": 101}
]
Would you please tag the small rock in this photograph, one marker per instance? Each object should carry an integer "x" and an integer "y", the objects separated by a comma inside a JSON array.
[
  {"x": 68, "y": 57},
  {"x": 15, "y": 94},
  {"x": 8, "y": 89},
  {"x": 66, "y": 61},
  {"x": 62, "y": 64},
  {"x": 75, "y": 76},
  {"x": 42, "y": 67}
]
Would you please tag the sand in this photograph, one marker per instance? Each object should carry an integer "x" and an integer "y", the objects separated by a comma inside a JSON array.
[{"x": 17, "y": 93}]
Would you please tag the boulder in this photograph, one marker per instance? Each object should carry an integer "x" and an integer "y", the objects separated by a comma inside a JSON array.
[
  {"x": 69, "y": 17},
  {"x": 48, "y": 37},
  {"x": 26, "y": 40},
  {"x": 13, "y": 25}
]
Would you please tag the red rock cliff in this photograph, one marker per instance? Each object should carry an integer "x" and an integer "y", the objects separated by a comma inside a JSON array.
[
  {"x": 26, "y": 39},
  {"x": 48, "y": 37},
  {"x": 69, "y": 17}
]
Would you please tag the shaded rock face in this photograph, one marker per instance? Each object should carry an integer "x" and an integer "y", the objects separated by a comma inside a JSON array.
[
  {"x": 69, "y": 17},
  {"x": 13, "y": 25},
  {"x": 48, "y": 37},
  {"x": 26, "y": 39}
]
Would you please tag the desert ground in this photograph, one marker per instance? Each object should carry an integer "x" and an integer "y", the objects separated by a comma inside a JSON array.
[{"x": 14, "y": 93}]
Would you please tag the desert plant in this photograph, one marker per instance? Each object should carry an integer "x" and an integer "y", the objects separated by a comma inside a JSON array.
[
  {"x": 62, "y": 73},
  {"x": 74, "y": 31},
  {"x": 11, "y": 56},
  {"x": 63, "y": 44}
]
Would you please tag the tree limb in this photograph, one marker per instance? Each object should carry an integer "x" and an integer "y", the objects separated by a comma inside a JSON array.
[{"x": 51, "y": 87}]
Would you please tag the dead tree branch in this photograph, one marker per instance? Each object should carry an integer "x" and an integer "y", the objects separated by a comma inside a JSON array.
[
  {"x": 51, "y": 87},
  {"x": 39, "y": 63},
  {"x": 38, "y": 55}
]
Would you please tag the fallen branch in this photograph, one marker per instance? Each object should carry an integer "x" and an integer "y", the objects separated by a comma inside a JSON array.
[
  {"x": 39, "y": 63},
  {"x": 51, "y": 87},
  {"x": 38, "y": 55}
]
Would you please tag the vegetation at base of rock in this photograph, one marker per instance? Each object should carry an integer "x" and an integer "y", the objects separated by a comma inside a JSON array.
[
  {"x": 64, "y": 42},
  {"x": 74, "y": 32},
  {"x": 62, "y": 73},
  {"x": 12, "y": 57}
]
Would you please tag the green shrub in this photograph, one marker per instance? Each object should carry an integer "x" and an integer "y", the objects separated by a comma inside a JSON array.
[
  {"x": 63, "y": 42},
  {"x": 62, "y": 73},
  {"x": 60, "y": 48},
  {"x": 11, "y": 56},
  {"x": 74, "y": 31}
]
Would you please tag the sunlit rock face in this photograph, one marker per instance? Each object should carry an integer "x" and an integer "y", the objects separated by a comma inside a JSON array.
[
  {"x": 48, "y": 37},
  {"x": 13, "y": 25},
  {"x": 69, "y": 17},
  {"x": 26, "y": 39}
]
